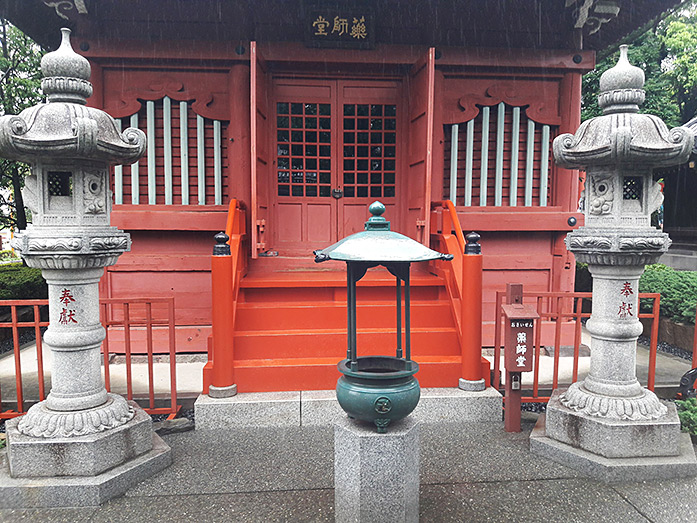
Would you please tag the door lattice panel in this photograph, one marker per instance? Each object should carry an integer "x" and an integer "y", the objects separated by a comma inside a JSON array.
[
  {"x": 369, "y": 150},
  {"x": 303, "y": 149}
]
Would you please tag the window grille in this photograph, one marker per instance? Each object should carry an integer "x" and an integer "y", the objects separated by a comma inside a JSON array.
[
  {"x": 502, "y": 158},
  {"x": 186, "y": 160}
]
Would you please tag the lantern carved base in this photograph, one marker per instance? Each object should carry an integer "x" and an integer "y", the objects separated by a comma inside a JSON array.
[
  {"x": 644, "y": 406},
  {"x": 42, "y": 422},
  {"x": 79, "y": 471},
  {"x": 614, "y": 450}
]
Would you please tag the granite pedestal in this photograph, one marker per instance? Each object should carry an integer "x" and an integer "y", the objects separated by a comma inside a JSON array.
[
  {"x": 376, "y": 476},
  {"x": 320, "y": 407},
  {"x": 77, "y": 471},
  {"x": 87, "y": 455},
  {"x": 616, "y": 470},
  {"x": 613, "y": 438}
]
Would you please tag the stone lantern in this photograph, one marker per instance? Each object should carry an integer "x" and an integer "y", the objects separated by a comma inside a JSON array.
[
  {"x": 80, "y": 429},
  {"x": 609, "y": 415}
]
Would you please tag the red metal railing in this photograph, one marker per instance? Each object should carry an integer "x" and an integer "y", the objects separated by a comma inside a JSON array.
[
  {"x": 115, "y": 314},
  {"x": 560, "y": 308}
]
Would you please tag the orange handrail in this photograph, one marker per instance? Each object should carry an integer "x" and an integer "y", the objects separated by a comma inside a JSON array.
[
  {"x": 226, "y": 274},
  {"x": 109, "y": 307},
  {"x": 469, "y": 290},
  {"x": 454, "y": 222}
]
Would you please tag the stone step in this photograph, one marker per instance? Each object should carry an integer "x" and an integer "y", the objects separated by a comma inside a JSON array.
[{"x": 320, "y": 407}]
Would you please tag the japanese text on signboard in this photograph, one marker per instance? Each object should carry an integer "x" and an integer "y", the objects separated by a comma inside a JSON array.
[{"x": 329, "y": 28}]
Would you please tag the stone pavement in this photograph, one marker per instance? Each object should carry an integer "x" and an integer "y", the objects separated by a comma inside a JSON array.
[{"x": 469, "y": 472}]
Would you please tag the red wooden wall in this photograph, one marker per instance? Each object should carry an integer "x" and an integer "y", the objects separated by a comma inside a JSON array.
[{"x": 172, "y": 244}]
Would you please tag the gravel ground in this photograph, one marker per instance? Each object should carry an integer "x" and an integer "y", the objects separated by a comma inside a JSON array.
[
  {"x": 668, "y": 348},
  {"x": 25, "y": 336}
]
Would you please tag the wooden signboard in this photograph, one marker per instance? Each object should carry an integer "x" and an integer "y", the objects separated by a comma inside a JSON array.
[
  {"x": 518, "y": 341},
  {"x": 340, "y": 28}
]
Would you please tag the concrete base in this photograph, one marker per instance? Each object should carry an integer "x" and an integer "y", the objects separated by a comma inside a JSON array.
[
  {"x": 81, "y": 491},
  {"x": 614, "y": 470},
  {"x": 471, "y": 385},
  {"x": 253, "y": 409},
  {"x": 222, "y": 392},
  {"x": 451, "y": 405},
  {"x": 376, "y": 476},
  {"x": 613, "y": 438},
  {"x": 320, "y": 407},
  {"x": 87, "y": 455}
]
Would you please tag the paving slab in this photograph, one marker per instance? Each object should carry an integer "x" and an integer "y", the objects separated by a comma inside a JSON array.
[
  {"x": 248, "y": 507},
  {"x": 245, "y": 460},
  {"x": 470, "y": 472},
  {"x": 457, "y": 452},
  {"x": 54, "y": 515},
  {"x": 567, "y": 500},
  {"x": 663, "y": 502}
]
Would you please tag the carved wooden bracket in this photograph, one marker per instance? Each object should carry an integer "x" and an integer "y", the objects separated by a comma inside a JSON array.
[
  {"x": 537, "y": 105},
  {"x": 203, "y": 101}
]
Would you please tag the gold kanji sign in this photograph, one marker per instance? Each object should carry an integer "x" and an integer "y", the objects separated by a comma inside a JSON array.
[{"x": 342, "y": 29}]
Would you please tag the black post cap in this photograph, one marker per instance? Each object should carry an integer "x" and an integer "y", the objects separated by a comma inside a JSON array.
[
  {"x": 473, "y": 246},
  {"x": 221, "y": 247}
]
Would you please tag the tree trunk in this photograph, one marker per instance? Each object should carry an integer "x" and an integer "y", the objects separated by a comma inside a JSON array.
[{"x": 20, "y": 214}]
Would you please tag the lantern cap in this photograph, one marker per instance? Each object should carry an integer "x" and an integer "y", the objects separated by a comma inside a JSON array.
[
  {"x": 64, "y": 128},
  {"x": 377, "y": 244}
]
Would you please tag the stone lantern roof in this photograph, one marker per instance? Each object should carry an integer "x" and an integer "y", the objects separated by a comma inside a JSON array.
[
  {"x": 64, "y": 127},
  {"x": 622, "y": 135}
]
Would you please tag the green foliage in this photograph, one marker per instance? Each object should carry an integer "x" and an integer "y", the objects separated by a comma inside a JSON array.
[
  {"x": 20, "y": 87},
  {"x": 647, "y": 53},
  {"x": 678, "y": 37},
  {"x": 687, "y": 412},
  {"x": 584, "y": 280},
  {"x": 8, "y": 255},
  {"x": 678, "y": 291},
  {"x": 18, "y": 282}
]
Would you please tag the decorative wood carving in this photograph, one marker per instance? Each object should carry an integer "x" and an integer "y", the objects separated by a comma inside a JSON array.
[
  {"x": 537, "y": 105},
  {"x": 128, "y": 101},
  {"x": 64, "y": 7}
]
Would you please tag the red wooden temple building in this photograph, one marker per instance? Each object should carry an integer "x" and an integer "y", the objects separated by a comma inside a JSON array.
[{"x": 282, "y": 120}]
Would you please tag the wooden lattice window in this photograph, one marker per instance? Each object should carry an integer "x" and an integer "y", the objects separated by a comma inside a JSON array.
[{"x": 502, "y": 158}]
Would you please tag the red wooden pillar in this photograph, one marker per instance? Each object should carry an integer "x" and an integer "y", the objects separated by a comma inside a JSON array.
[
  {"x": 223, "y": 372},
  {"x": 471, "y": 315}
]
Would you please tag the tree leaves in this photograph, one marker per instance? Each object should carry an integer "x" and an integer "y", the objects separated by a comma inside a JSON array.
[
  {"x": 20, "y": 87},
  {"x": 667, "y": 52}
]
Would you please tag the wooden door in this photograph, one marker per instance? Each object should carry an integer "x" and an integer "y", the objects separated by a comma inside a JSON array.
[
  {"x": 259, "y": 107},
  {"x": 421, "y": 90},
  {"x": 370, "y": 152},
  {"x": 336, "y": 151}
]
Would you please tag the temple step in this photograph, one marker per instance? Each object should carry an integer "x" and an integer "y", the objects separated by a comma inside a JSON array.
[{"x": 290, "y": 328}]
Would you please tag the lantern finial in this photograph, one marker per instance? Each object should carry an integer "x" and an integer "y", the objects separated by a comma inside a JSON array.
[
  {"x": 376, "y": 222},
  {"x": 66, "y": 74},
  {"x": 622, "y": 86}
]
